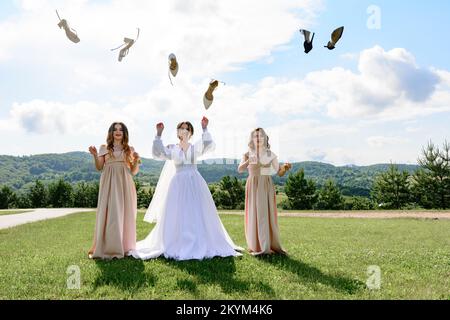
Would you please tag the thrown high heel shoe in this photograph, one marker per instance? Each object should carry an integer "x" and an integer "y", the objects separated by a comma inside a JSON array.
[
  {"x": 308, "y": 43},
  {"x": 335, "y": 37},
  {"x": 70, "y": 33},
  {"x": 173, "y": 66},
  {"x": 208, "y": 97},
  {"x": 128, "y": 43}
]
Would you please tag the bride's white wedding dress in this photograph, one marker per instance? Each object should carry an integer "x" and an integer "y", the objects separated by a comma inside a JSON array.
[{"x": 187, "y": 223}]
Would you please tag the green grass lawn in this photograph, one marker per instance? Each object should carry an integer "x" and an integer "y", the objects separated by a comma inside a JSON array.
[
  {"x": 9, "y": 212},
  {"x": 328, "y": 260}
]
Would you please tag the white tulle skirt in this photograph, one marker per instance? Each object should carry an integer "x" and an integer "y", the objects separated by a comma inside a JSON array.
[{"x": 190, "y": 227}]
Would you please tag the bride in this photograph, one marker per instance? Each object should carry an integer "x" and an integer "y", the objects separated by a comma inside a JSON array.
[{"x": 187, "y": 223}]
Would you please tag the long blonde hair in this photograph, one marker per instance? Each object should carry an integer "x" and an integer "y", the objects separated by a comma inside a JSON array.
[{"x": 251, "y": 144}]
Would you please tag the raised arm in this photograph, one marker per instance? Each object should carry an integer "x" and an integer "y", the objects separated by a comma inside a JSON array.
[
  {"x": 99, "y": 159},
  {"x": 159, "y": 151},
  {"x": 282, "y": 169},
  {"x": 244, "y": 163},
  {"x": 206, "y": 144},
  {"x": 136, "y": 161},
  {"x": 278, "y": 169},
  {"x": 275, "y": 165}
]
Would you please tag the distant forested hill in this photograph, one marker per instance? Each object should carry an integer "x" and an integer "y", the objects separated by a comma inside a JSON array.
[
  {"x": 21, "y": 172},
  {"x": 352, "y": 180}
]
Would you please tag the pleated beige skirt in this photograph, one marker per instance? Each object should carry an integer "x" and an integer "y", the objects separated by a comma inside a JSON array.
[
  {"x": 261, "y": 221},
  {"x": 115, "y": 227}
]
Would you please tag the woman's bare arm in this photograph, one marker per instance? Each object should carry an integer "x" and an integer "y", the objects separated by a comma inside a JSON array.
[
  {"x": 244, "y": 164},
  {"x": 98, "y": 161}
]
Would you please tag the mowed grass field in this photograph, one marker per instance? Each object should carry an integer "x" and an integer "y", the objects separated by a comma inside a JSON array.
[{"x": 328, "y": 259}]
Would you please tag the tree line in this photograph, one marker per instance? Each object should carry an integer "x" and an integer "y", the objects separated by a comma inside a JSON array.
[
  {"x": 229, "y": 193},
  {"x": 62, "y": 194},
  {"x": 428, "y": 187}
]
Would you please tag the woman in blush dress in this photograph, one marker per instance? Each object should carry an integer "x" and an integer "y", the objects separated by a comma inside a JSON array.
[
  {"x": 261, "y": 221},
  {"x": 115, "y": 227}
]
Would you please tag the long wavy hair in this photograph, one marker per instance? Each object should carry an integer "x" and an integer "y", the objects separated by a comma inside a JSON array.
[
  {"x": 251, "y": 144},
  {"x": 125, "y": 139}
]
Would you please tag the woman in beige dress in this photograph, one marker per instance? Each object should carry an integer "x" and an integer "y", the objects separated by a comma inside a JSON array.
[
  {"x": 261, "y": 224},
  {"x": 115, "y": 227}
]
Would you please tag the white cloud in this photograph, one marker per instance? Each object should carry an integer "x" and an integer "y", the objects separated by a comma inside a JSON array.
[
  {"x": 329, "y": 115},
  {"x": 386, "y": 80},
  {"x": 239, "y": 109},
  {"x": 388, "y": 86},
  {"x": 349, "y": 56},
  {"x": 209, "y": 38},
  {"x": 44, "y": 117},
  {"x": 382, "y": 141}
]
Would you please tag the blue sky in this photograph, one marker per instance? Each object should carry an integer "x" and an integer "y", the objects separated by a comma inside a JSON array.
[
  {"x": 421, "y": 27},
  {"x": 67, "y": 77}
]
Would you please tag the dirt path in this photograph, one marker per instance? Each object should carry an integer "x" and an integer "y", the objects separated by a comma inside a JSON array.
[
  {"x": 9, "y": 221},
  {"x": 416, "y": 214}
]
